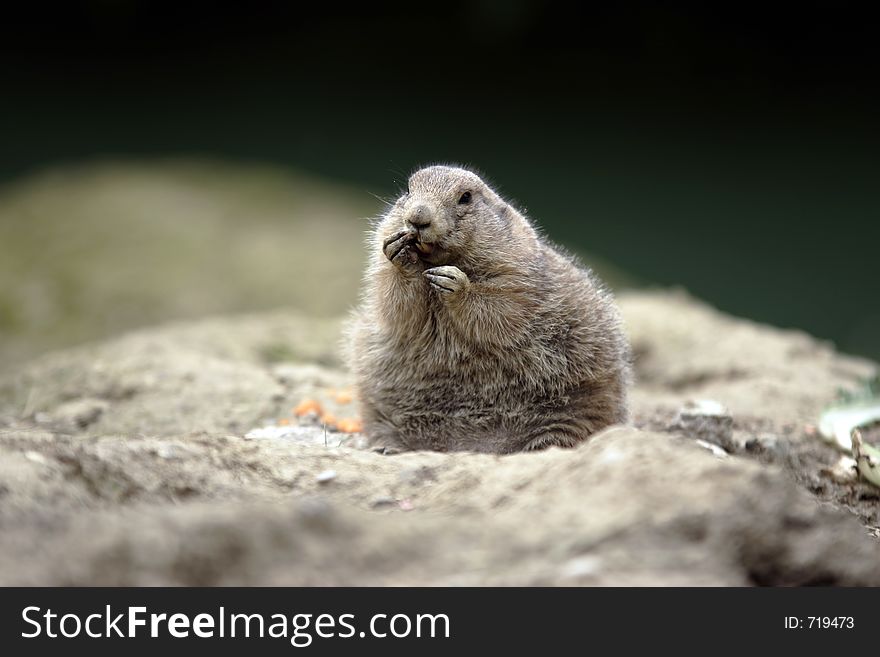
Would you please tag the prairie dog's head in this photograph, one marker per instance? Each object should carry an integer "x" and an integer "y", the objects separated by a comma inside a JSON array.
[{"x": 448, "y": 211}]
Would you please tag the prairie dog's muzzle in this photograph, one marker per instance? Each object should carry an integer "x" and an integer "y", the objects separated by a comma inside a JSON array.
[{"x": 419, "y": 216}]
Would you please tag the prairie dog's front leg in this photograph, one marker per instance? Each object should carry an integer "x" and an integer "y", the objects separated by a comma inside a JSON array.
[
  {"x": 499, "y": 310},
  {"x": 402, "y": 301}
]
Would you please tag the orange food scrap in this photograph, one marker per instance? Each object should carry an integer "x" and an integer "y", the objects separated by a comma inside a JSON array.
[
  {"x": 350, "y": 425},
  {"x": 307, "y": 406},
  {"x": 329, "y": 419},
  {"x": 283, "y": 421},
  {"x": 344, "y": 397}
]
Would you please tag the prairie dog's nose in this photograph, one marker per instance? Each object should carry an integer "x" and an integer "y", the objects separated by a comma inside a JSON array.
[{"x": 420, "y": 216}]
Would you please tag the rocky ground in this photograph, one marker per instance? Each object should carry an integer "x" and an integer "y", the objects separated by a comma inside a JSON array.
[{"x": 128, "y": 461}]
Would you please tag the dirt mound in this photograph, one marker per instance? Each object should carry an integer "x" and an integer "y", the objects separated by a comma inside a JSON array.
[{"x": 128, "y": 462}]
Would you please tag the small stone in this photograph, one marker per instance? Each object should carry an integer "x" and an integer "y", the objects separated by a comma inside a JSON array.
[
  {"x": 706, "y": 420},
  {"x": 79, "y": 414},
  {"x": 306, "y": 435},
  {"x": 766, "y": 443},
  {"x": 844, "y": 471},
  {"x": 715, "y": 449},
  {"x": 36, "y": 457},
  {"x": 383, "y": 500},
  {"x": 580, "y": 567},
  {"x": 325, "y": 476}
]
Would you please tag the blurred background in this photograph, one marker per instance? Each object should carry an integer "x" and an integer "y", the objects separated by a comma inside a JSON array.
[{"x": 165, "y": 160}]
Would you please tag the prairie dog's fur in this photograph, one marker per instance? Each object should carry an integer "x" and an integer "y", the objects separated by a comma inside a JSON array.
[{"x": 474, "y": 333}]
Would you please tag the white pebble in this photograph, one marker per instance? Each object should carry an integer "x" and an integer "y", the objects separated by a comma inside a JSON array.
[{"x": 324, "y": 477}]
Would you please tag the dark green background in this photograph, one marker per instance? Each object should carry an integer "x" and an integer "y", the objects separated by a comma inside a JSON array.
[{"x": 733, "y": 151}]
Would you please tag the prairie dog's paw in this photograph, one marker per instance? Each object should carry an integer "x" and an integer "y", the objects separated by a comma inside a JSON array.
[
  {"x": 383, "y": 440},
  {"x": 387, "y": 450},
  {"x": 447, "y": 280},
  {"x": 400, "y": 249}
]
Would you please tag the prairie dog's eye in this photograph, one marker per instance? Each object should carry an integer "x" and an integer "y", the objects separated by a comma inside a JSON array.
[{"x": 465, "y": 198}]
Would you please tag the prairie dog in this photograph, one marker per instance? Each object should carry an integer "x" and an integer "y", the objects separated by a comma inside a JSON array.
[{"x": 475, "y": 333}]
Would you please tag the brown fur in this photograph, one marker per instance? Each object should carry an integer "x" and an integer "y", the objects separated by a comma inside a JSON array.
[{"x": 496, "y": 341}]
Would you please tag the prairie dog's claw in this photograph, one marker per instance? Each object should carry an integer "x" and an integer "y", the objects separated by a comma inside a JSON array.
[
  {"x": 399, "y": 249},
  {"x": 447, "y": 280},
  {"x": 396, "y": 236}
]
